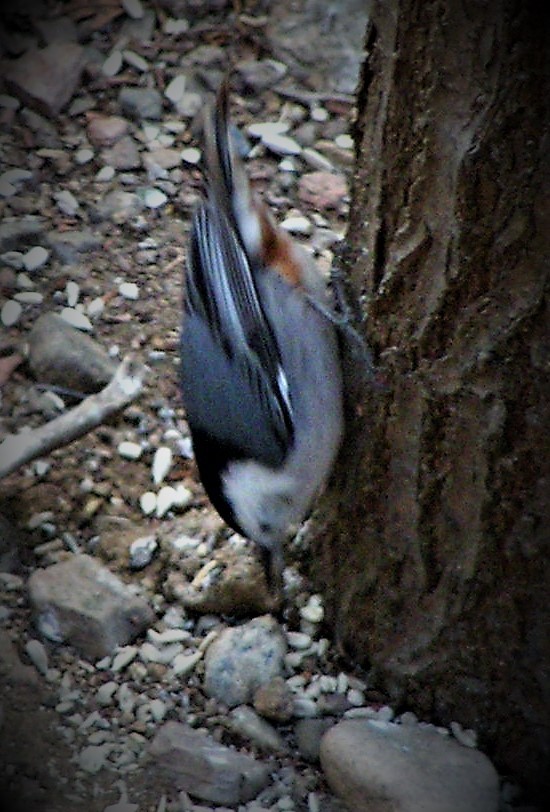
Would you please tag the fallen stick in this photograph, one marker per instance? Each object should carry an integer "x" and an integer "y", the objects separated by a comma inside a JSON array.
[{"x": 124, "y": 387}]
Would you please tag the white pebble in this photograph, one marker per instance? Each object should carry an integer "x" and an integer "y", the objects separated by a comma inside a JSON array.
[
  {"x": 9, "y": 315},
  {"x": 183, "y": 496},
  {"x": 35, "y": 258},
  {"x": 288, "y": 165},
  {"x": 191, "y": 155},
  {"x": 148, "y": 502},
  {"x": 162, "y": 462},
  {"x": 184, "y": 663},
  {"x": 29, "y": 297},
  {"x": 142, "y": 551},
  {"x": 175, "y": 26},
  {"x": 72, "y": 292},
  {"x": 123, "y": 658},
  {"x": 105, "y": 693},
  {"x": 135, "y": 60},
  {"x": 133, "y": 9},
  {"x": 83, "y": 156},
  {"x": 281, "y": 144},
  {"x": 24, "y": 282},
  {"x": 297, "y": 224},
  {"x": 66, "y": 202},
  {"x": 355, "y": 697},
  {"x": 158, "y": 709},
  {"x": 105, "y": 174},
  {"x": 150, "y": 132},
  {"x": 129, "y": 290},
  {"x": 154, "y": 198},
  {"x": 344, "y": 141},
  {"x": 305, "y": 708},
  {"x": 298, "y": 640},
  {"x": 129, "y": 450},
  {"x": 176, "y": 88},
  {"x": 37, "y": 655},
  {"x": 266, "y": 128},
  {"x": 76, "y": 319},
  {"x": 96, "y": 307},
  {"x": 41, "y": 467},
  {"x": 166, "y": 499},
  {"x": 112, "y": 64},
  {"x": 313, "y": 610},
  {"x": 319, "y": 114},
  {"x": 316, "y": 160}
]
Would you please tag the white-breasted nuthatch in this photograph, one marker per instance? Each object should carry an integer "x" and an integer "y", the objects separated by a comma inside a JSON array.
[{"x": 260, "y": 367}]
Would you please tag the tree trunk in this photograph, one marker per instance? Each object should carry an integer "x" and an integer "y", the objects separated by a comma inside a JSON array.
[{"x": 434, "y": 554}]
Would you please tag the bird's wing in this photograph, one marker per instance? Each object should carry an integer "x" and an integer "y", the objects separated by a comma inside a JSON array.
[{"x": 241, "y": 390}]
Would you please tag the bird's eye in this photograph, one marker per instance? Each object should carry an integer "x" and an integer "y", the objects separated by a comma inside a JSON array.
[{"x": 265, "y": 527}]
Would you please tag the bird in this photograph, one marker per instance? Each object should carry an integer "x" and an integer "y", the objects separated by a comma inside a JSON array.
[{"x": 260, "y": 366}]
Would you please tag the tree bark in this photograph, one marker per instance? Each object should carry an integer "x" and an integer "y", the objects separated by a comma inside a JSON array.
[{"x": 434, "y": 543}]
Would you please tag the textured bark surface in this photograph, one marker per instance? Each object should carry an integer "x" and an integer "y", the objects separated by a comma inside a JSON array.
[{"x": 434, "y": 554}]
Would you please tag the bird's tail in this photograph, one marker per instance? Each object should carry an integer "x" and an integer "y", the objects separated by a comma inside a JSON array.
[{"x": 228, "y": 183}]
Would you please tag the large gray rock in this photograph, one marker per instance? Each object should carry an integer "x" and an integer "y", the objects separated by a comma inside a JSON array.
[
  {"x": 206, "y": 769},
  {"x": 243, "y": 658},
  {"x": 82, "y": 603},
  {"x": 385, "y": 767},
  {"x": 60, "y": 354},
  {"x": 47, "y": 78}
]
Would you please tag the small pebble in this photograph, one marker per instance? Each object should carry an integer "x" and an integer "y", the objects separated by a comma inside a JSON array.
[
  {"x": 129, "y": 450},
  {"x": 84, "y": 156},
  {"x": 344, "y": 141},
  {"x": 129, "y": 290},
  {"x": 313, "y": 610},
  {"x": 154, "y": 198},
  {"x": 176, "y": 88},
  {"x": 112, "y": 64},
  {"x": 142, "y": 551},
  {"x": 29, "y": 297},
  {"x": 76, "y": 319},
  {"x": 37, "y": 655},
  {"x": 35, "y": 258},
  {"x": 175, "y": 26},
  {"x": 105, "y": 174},
  {"x": 72, "y": 292},
  {"x": 135, "y": 60},
  {"x": 281, "y": 144},
  {"x": 24, "y": 282},
  {"x": 298, "y": 640},
  {"x": 166, "y": 498},
  {"x": 267, "y": 128},
  {"x": 96, "y": 307},
  {"x": 184, "y": 663},
  {"x": 123, "y": 658},
  {"x": 105, "y": 693},
  {"x": 319, "y": 114},
  {"x": 297, "y": 225},
  {"x": 148, "y": 502},
  {"x": 191, "y": 155},
  {"x": 162, "y": 462},
  {"x": 10, "y": 313},
  {"x": 66, "y": 202}
]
